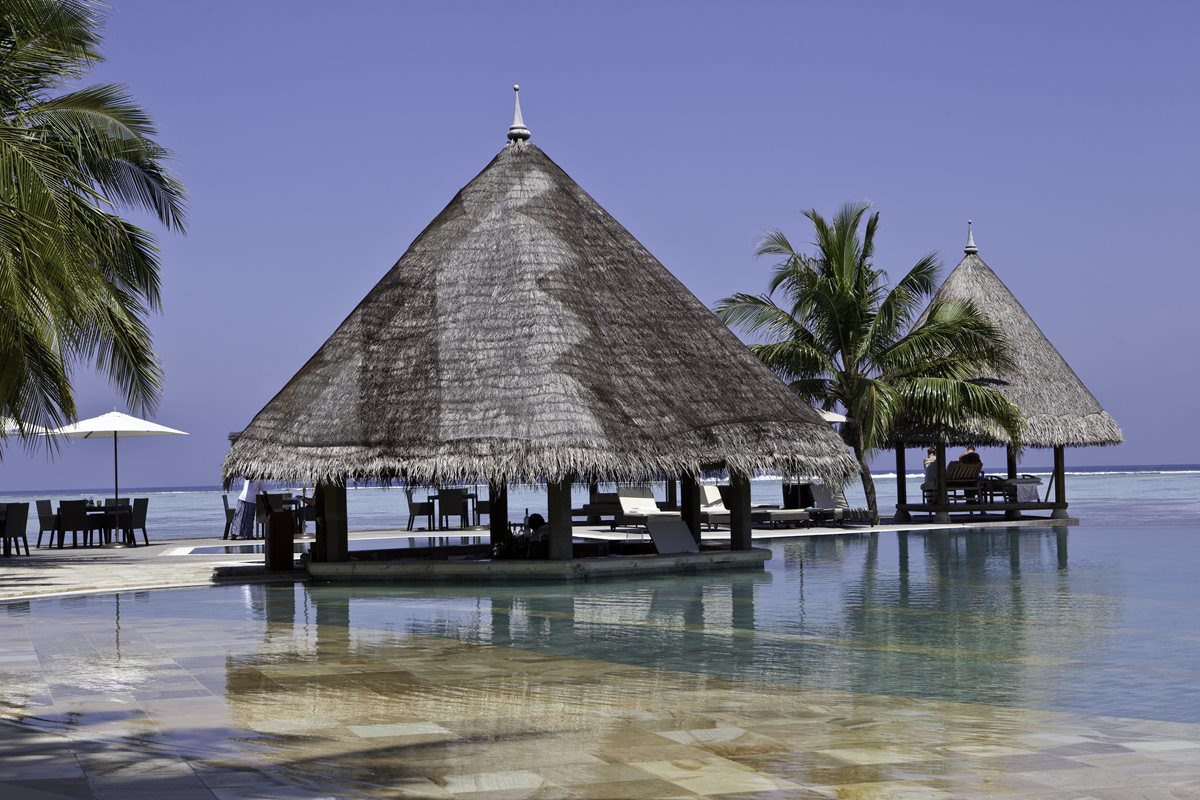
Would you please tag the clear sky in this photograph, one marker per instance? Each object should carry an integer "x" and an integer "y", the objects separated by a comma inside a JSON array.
[{"x": 317, "y": 139}]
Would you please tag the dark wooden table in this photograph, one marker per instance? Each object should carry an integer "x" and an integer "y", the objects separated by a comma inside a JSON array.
[
  {"x": 116, "y": 515},
  {"x": 472, "y": 510}
]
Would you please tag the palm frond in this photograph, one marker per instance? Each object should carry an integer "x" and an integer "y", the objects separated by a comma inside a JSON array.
[{"x": 77, "y": 281}]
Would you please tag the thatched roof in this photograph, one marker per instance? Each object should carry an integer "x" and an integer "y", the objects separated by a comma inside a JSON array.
[
  {"x": 526, "y": 334},
  {"x": 1058, "y": 408}
]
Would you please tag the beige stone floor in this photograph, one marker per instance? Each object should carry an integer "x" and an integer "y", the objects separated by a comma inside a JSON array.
[
  {"x": 180, "y": 709},
  {"x": 50, "y": 571}
]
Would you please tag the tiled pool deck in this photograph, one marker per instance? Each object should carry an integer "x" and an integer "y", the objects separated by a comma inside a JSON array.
[
  {"x": 167, "y": 704},
  {"x": 430, "y": 717}
]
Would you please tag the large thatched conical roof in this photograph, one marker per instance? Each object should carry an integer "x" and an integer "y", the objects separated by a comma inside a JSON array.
[
  {"x": 1059, "y": 410},
  {"x": 526, "y": 334}
]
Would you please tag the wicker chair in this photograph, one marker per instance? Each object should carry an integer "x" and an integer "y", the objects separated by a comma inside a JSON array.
[
  {"x": 453, "y": 503},
  {"x": 73, "y": 517},
  {"x": 419, "y": 508},
  {"x": 140, "y": 506},
  {"x": 47, "y": 521},
  {"x": 16, "y": 515},
  {"x": 229, "y": 512}
]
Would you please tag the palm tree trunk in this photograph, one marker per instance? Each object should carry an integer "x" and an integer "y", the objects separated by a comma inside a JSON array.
[{"x": 868, "y": 482}]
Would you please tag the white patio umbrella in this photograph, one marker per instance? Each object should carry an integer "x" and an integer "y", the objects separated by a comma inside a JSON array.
[
  {"x": 8, "y": 427},
  {"x": 114, "y": 425},
  {"x": 831, "y": 416}
]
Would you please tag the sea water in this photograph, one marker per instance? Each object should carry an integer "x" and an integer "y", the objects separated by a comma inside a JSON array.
[{"x": 1106, "y": 496}]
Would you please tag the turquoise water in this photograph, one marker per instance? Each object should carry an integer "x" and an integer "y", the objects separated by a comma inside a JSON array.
[
  {"x": 1167, "y": 496},
  {"x": 1100, "y": 620}
]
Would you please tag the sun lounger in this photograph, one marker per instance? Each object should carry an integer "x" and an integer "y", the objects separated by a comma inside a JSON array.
[
  {"x": 671, "y": 536},
  {"x": 638, "y": 506},
  {"x": 712, "y": 506},
  {"x": 786, "y": 516},
  {"x": 831, "y": 504}
]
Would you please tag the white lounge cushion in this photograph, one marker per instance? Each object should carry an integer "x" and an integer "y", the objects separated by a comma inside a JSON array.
[
  {"x": 638, "y": 501},
  {"x": 710, "y": 499}
]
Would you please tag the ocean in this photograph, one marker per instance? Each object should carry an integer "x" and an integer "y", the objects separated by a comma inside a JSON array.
[{"x": 1143, "y": 495}]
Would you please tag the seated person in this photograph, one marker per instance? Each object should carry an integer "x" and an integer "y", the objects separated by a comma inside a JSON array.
[
  {"x": 970, "y": 457},
  {"x": 931, "y": 467},
  {"x": 929, "y": 485},
  {"x": 531, "y": 540}
]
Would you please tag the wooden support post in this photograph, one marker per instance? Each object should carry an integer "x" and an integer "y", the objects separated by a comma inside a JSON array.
[
  {"x": 333, "y": 542},
  {"x": 593, "y": 490},
  {"x": 500, "y": 533},
  {"x": 690, "y": 508},
  {"x": 740, "y": 531},
  {"x": 943, "y": 513},
  {"x": 1010, "y": 453},
  {"x": 558, "y": 510},
  {"x": 672, "y": 493},
  {"x": 1060, "y": 483},
  {"x": 902, "y": 514}
]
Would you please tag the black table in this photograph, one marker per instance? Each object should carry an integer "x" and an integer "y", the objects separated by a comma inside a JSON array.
[
  {"x": 472, "y": 509},
  {"x": 115, "y": 515}
]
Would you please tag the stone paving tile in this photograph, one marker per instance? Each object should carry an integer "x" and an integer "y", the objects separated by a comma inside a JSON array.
[{"x": 280, "y": 711}]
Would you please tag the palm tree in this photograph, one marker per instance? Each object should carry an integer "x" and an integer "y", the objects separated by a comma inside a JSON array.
[
  {"x": 842, "y": 338},
  {"x": 76, "y": 280}
]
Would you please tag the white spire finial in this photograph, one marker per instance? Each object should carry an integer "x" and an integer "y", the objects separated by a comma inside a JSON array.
[
  {"x": 970, "y": 248},
  {"x": 517, "y": 132}
]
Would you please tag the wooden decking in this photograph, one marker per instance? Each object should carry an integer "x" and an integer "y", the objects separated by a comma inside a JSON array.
[{"x": 1011, "y": 510}]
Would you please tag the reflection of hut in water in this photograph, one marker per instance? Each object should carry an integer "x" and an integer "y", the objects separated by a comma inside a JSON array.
[
  {"x": 526, "y": 336},
  {"x": 1059, "y": 410}
]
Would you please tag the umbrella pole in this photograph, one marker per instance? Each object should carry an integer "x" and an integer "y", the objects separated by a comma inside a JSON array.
[{"x": 116, "y": 517}]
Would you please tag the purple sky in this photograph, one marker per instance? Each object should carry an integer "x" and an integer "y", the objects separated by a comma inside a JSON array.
[{"x": 318, "y": 139}]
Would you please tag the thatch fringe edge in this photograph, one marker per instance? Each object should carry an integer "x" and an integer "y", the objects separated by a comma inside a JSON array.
[
  {"x": 1092, "y": 430},
  {"x": 519, "y": 464}
]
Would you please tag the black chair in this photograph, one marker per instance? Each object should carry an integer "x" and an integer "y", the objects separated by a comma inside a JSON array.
[
  {"x": 47, "y": 521},
  {"x": 16, "y": 515},
  {"x": 229, "y": 512},
  {"x": 453, "y": 503},
  {"x": 73, "y": 517},
  {"x": 140, "y": 506},
  {"x": 419, "y": 508}
]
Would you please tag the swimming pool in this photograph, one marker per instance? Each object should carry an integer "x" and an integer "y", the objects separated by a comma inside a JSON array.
[{"x": 1039, "y": 659}]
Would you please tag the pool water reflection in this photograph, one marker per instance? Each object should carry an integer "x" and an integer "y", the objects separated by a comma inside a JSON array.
[{"x": 853, "y": 659}]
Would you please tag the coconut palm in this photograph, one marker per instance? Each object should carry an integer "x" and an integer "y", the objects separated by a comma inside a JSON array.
[
  {"x": 841, "y": 337},
  {"x": 76, "y": 280}
]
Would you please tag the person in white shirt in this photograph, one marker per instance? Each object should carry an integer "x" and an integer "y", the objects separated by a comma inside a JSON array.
[{"x": 242, "y": 526}]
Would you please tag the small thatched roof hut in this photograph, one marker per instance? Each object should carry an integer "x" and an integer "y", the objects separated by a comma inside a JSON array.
[
  {"x": 526, "y": 334},
  {"x": 1059, "y": 410}
]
